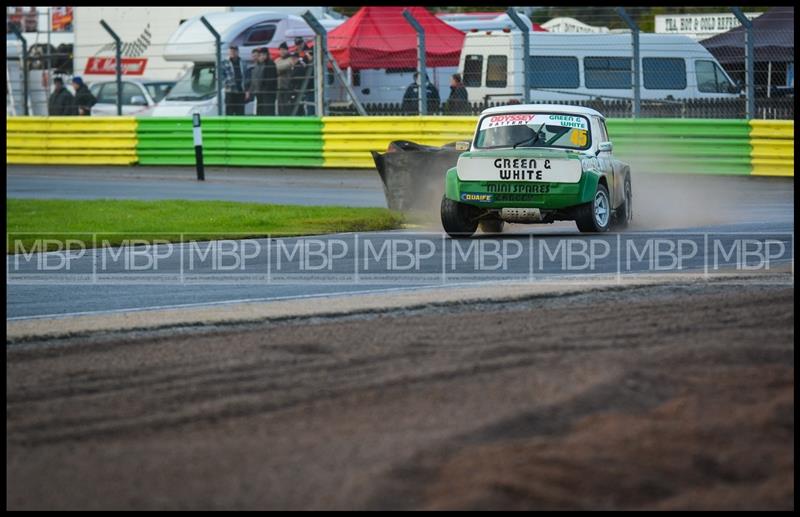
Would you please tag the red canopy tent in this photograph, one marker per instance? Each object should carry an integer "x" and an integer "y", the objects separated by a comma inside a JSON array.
[{"x": 380, "y": 37}]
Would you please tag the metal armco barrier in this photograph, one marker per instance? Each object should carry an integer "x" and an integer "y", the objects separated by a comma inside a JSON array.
[
  {"x": 772, "y": 144},
  {"x": 238, "y": 141},
  {"x": 693, "y": 146},
  {"x": 71, "y": 140}
]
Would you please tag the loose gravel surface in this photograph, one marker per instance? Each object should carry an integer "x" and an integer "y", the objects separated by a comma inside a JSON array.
[{"x": 662, "y": 397}]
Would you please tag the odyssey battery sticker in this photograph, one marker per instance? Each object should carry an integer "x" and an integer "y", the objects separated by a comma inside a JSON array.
[{"x": 535, "y": 120}]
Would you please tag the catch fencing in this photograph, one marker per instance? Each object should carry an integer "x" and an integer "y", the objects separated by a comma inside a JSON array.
[{"x": 677, "y": 75}]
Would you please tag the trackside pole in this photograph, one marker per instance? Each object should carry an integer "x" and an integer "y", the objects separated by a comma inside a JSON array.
[
  {"x": 749, "y": 62},
  {"x": 198, "y": 147},
  {"x": 422, "y": 77}
]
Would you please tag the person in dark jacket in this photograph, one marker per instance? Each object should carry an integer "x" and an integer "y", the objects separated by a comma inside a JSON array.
[
  {"x": 458, "y": 101},
  {"x": 84, "y": 100},
  {"x": 61, "y": 102},
  {"x": 411, "y": 97},
  {"x": 262, "y": 83},
  {"x": 302, "y": 75}
]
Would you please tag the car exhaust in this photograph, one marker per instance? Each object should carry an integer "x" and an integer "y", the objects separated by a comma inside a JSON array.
[{"x": 521, "y": 215}]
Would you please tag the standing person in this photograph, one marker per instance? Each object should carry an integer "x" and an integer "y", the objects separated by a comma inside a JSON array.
[
  {"x": 299, "y": 69},
  {"x": 307, "y": 58},
  {"x": 233, "y": 75},
  {"x": 411, "y": 97},
  {"x": 262, "y": 79},
  {"x": 302, "y": 49},
  {"x": 308, "y": 99},
  {"x": 269, "y": 85},
  {"x": 251, "y": 71},
  {"x": 458, "y": 101},
  {"x": 61, "y": 102},
  {"x": 283, "y": 67},
  {"x": 84, "y": 100}
]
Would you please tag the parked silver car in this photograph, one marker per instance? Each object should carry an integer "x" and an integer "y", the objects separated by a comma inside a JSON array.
[{"x": 138, "y": 97}]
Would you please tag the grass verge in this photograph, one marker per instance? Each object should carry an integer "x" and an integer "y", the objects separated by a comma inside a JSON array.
[{"x": 112, "y": 222}]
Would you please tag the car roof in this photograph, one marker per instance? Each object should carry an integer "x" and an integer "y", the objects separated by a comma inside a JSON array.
[
  {"x": 136, "y": 81},
  {"x": 555, "y": 108}
]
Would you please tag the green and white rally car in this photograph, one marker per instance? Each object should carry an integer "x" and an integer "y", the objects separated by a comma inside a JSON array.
[{"x": 537, "y": 163}]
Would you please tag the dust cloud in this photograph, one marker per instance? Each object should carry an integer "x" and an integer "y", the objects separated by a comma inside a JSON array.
[{"x": 663, "y": 201}]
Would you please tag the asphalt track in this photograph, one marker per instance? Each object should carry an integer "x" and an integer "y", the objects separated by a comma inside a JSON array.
[
  {"x": 344, "y": 187},
  {"x": 721, "y": 207}
]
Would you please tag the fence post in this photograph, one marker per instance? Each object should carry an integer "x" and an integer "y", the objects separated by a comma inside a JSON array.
[
  {"x": 218, "y": 43},
  {"x": 526, "y": 49},
  {"x": 118, "y": 59},
  {"x": 749, "y": 61},
  {"x": 422, "y": 75},
  {"x": 637, "y": 100},
  {"x": 320, "y": 45},
  {"x": 334, "y": 64},
  {"x": 197, "y": 133},
  {"x": 19, "y": 35}
]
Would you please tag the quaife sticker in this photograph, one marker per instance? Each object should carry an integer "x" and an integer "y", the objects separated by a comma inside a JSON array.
[
  {"x": 476, "y": 197},
  {"x": 535, "y": 120}
]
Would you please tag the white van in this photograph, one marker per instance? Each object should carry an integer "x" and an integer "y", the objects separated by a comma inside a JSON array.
[
  {"x": 587, "y": 66},
  {"x": 196, "y": 91}
]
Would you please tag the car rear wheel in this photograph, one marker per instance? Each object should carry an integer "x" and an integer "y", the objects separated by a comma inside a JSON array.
[
  {"x": 458, "y": 219},
  {"x": 595, "y": 216},
  {"x": 491, "y": 226}
]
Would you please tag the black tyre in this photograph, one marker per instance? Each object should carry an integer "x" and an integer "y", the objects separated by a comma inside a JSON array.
[
  {"x": 623, "y": 215},
  {"x": 595, "y": 216},
  {"x": 458, "y": 219},
  {"x": 491, "y": 226}
]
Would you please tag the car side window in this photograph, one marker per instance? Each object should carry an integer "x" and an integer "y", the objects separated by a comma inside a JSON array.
[
  {"x": 603, "y": 136},
  {"x": 664, "y": 73},
  {"x": 108, "y": 94},
  {"x": 129, "y": 90}
]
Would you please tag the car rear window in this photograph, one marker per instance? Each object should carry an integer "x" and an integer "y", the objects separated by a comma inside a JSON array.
[{"x": 557, "y": 130}]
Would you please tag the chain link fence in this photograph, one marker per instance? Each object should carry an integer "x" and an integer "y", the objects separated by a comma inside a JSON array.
[{"x": 691, "y": 65}]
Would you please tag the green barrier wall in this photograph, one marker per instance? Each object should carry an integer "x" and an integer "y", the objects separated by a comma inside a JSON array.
[
  {"x": 238, "y": 141},
  {"x": 695, "y": 146}
]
